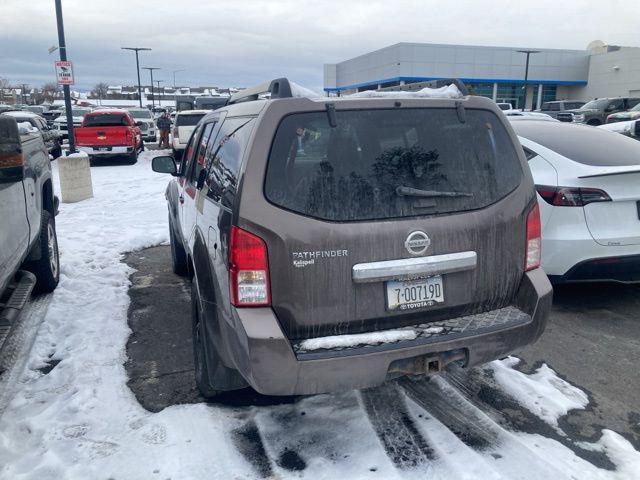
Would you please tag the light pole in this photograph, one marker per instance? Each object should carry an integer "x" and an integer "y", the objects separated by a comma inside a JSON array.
[
  {"x": 151, "y": 69},
  {"x": 174, "y": 77},
  {"x": 137, "y": 49},
  {"x": 526, "y": 73},
  {"x": 67, "y": 91},
  {"x": 159, "y": 95}
]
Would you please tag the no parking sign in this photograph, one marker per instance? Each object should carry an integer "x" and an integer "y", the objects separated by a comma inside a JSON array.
[{"x": 64, "y": 72}]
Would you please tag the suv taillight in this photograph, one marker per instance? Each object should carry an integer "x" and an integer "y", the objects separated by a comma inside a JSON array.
[
  {"x": 175, "y": 132},
  {"x": 533, "y": 247},
  {"x": 571, "y": 196},
  {"x": 248, "y": 270}
]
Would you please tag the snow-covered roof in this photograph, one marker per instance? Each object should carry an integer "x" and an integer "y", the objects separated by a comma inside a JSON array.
[{"x": 448, "y": 91}]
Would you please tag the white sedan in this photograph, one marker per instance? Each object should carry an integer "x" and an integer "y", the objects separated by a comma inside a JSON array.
[{"x": 588, "y": 184}]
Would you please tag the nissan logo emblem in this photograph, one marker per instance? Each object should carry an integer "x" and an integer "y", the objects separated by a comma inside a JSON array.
[{"x": 417, "y": 243}]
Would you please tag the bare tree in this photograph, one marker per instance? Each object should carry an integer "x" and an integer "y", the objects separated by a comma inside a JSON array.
[
  {"x": 5, "y": 86},
  {"x": 100, "y": 90},
  {"x": 49, "y": 91}
]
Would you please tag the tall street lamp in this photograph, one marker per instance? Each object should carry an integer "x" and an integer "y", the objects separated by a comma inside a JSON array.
[
  {"x": 137, "y": 49},
  {"x": 526, "y": 74},
  {"x": 151, "y": 69},
  {"x": 174, "y": 77},
  {"x": 67, "y": 91}
]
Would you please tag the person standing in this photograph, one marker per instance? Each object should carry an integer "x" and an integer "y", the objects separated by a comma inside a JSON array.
[{"x": 164, "y": 125}]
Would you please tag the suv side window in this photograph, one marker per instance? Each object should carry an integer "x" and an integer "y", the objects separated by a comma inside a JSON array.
[
  {"x": 224, "y": 158},
  {"x": 615, "y": 105},
  {"x": 632, "y": 102},
  {"x": 187, "y": 159},
  {"x": 199, "y": 154}
]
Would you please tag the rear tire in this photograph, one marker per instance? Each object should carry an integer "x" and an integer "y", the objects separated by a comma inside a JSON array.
[
  {"x": 47, "y": 268},
  {"x": 133, "y": 158},
  {"x": 178, "y": 254},
  {"x": 212, "y": 377}
]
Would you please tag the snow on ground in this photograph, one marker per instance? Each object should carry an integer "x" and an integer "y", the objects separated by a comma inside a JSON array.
[
  {"x": 542, "y": 393},
  {"x": 81, "y": 421}
]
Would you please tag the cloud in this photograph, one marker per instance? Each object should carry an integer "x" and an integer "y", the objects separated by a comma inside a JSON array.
[{"x": 245, "y": 42}]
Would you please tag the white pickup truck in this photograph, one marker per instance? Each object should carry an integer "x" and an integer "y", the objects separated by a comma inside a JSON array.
[{"x": 28, "y": 242}]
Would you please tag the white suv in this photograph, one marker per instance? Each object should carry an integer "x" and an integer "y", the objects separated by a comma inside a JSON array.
[
  {"x": 77, "y": 113},
  {"x": 184, "y": 125},
  {"x": 148, "y": 124}
]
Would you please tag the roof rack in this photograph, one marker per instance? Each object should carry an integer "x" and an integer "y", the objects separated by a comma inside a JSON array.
[
  {"x": 442, "y": 82},
  {"x": 278, "y": 88}
]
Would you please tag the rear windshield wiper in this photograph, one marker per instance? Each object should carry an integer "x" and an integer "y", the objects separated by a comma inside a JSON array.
[{"x": 416, "y": 192}]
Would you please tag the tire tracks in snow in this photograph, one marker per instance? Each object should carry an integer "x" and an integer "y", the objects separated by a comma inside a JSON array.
[
  {"x": 387, "y": 411},
  {"x": 478, "y": 431}
]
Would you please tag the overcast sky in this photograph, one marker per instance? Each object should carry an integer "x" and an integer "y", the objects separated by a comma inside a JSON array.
[{"x": 244, "y": 42}]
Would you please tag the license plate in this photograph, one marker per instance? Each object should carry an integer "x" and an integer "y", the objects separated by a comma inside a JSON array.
[
  {"x": 412, "y": 294},
  {"x": 102, "y": 149}
]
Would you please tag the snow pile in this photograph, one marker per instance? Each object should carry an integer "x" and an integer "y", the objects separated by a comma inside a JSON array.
[
  {"x": 80, "y": 421},
  {"x": 300, "y": 91},
  {"x": 24, "y": 128},
  {"x": 448, "y": 91},
  {"x": 543, "y": 393},
  {"x": 344, "y": 341}
]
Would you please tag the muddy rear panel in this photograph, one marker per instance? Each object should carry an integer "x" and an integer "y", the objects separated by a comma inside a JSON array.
[{"x": 436, "y": 182}]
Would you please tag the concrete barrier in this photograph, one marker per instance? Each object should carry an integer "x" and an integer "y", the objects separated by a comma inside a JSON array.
[{"x": 75, "y": 178}]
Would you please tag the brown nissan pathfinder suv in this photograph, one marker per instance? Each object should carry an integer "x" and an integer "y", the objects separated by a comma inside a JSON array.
[{"x": 334, "y": 243}]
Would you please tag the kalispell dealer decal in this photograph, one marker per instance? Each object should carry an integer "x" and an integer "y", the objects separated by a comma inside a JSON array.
[{"x": 304, "y": 259}]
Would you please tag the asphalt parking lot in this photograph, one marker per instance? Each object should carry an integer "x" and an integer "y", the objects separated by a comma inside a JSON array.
[{"x": 592, "y": 341}]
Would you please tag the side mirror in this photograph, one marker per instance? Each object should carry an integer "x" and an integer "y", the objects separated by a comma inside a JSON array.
[
  {"x": 11, "y": 159},
  {"x": 635, "y": 131},
  {"x": 164, "y": 164}
]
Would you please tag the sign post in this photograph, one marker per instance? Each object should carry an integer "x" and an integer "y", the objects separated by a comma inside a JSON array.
[{"x": 64, "y": 74}]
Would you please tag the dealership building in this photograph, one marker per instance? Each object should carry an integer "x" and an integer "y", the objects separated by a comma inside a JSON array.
[{"x": 495, "y": 72}]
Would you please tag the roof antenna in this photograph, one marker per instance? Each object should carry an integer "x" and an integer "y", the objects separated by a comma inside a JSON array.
[{"x": 331, "y": 115}]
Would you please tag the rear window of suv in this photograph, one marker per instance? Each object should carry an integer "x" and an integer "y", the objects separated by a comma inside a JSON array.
[
  {"x": 188, "y": 120},
  {"x": 378, "y": 164}
]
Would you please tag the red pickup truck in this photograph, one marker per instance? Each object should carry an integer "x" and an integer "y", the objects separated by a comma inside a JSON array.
[{"x": 106, "y": 133}]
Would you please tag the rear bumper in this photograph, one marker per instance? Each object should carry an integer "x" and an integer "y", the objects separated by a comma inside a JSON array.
[
  {"x": 268, "y": 361},
  {"x": 623, "y": 269},
  {"x": 105, "y": 153},
  {"x": 177, "y": 145}
]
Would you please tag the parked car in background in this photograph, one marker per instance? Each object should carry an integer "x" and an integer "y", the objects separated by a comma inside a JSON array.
[
  {"x": 504, "y": 106},
  {"x": 6, "y": 108},
  {"x": 588, "y": 184},
  {"x": 596, "y": 111},
  {"x": 633, "y": 114},
  {"x": 146, "y": 122},
  {"x": 50, "y": 115},
  {"x": 77, "y": 114},
  {"x": 553, "y": 108},
  {"x": 321, "y": 264},
  {"x": 37, "y": 109},
  {"x": 51, "y": 137},
  {"x": 28, "y": 242},
  {"x": 184, "y": 124},
  {"x": 630, "y": 128},
  {"x": 520, "y": 115},
  {"x": 109, "y": 133}
]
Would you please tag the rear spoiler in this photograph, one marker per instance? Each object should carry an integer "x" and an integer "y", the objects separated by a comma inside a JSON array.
[{"x": 608, "y": 174}]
